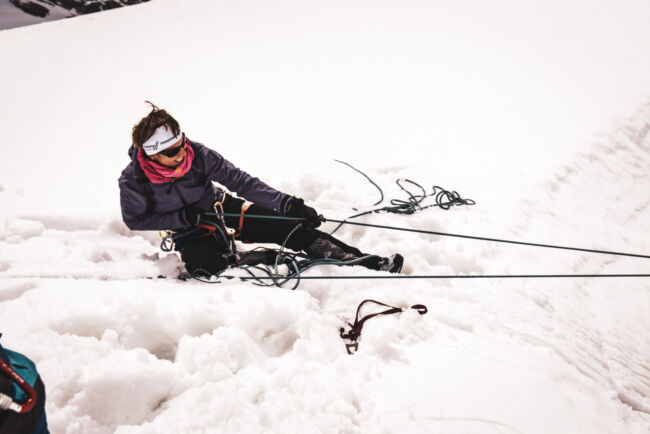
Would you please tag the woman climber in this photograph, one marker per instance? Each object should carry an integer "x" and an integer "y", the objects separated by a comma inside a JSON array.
[{"x": 168, "y": 186}]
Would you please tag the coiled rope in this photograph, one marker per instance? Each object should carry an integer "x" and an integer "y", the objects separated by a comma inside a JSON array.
[
  {"x": 297, "y": 263},
  {"x": 444, "y": 199}
]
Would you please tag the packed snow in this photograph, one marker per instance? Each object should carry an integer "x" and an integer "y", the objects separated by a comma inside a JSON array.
[{"x": 539, "y": 113}]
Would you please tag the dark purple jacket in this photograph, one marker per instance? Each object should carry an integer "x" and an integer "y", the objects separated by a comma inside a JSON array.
[{"x": 149, "y": 206}]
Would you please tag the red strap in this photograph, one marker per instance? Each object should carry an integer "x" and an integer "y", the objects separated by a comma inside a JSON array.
[{"x": 244, "y": 207}]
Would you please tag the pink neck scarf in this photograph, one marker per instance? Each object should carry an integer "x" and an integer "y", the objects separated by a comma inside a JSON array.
[{"x": 159, "y": 174}]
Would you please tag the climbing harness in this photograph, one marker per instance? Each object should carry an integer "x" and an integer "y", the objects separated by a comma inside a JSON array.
[
  {"x": 6, "y": 402},
  {"x": 175, "y": 240},
  {"x": 352, "y": 336}
]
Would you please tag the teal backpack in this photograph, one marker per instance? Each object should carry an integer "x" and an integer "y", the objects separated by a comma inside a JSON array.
[{"x": 22, "y": 395}]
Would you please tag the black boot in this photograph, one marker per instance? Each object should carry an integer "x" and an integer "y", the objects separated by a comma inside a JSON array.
[{"x": 392, "y": 264}]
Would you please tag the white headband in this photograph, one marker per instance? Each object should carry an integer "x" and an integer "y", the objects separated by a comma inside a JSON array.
[{"x": 162, "y": 139}]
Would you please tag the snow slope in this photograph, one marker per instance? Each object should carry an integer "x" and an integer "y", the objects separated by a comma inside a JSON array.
[{"x": 540, "y": 113}]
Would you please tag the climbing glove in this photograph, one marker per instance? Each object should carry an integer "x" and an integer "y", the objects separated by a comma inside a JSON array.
[{"x": 297, "y": 208}]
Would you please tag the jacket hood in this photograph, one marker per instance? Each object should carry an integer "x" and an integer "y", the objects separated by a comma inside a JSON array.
[
  {"x": 133, "y": 153},
  {"x": 135, "y": 166}
]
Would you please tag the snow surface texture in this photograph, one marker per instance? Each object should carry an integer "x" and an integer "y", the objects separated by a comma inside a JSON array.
[{"x": 549, "y": 131}]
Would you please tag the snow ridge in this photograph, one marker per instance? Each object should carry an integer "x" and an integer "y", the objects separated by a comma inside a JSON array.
[{"x": 611, "y": 352}]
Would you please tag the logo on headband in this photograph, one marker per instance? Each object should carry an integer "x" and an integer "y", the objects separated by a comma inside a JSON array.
[{"x": 153, "y": 147}]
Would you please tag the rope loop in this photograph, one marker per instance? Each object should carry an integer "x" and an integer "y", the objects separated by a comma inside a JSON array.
[{"x": 444, "y": 199}]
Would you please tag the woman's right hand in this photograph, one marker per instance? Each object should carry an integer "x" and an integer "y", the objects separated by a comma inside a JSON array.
[{"x": 297, "y": 208}]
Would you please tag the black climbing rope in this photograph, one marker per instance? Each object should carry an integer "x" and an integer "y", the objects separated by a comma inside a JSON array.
[
  {"x": 444, "y": 199},
  {"x": 459, "y": 276},
  {"x": 296, "y": 263},
  {"x": 498, "y": 240},
  {"x": 472, "y": 237},
  {"x": 381, "y": 199}
]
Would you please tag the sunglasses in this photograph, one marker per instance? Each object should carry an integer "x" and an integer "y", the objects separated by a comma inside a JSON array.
[{"x": 172, "y": 152}]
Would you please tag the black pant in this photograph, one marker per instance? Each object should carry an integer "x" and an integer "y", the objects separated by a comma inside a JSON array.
[{"x": 210, "y": 253}]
